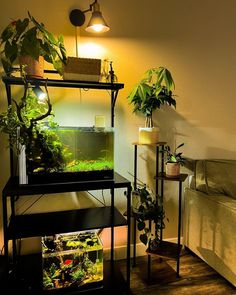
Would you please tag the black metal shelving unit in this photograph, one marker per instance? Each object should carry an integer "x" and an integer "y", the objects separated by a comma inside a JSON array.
[{"x": 41, "y": 224}]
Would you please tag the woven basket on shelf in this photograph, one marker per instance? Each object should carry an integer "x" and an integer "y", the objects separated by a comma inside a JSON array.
[{"x": 83, "y": 69}]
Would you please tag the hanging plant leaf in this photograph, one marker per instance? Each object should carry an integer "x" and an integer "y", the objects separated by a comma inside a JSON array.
[
  {"x": 143, "y": 238},
  {"x": 141, "y": 225}
]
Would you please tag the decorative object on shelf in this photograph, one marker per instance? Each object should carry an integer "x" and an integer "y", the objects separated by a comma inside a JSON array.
[
  {"x": 96, "y": 22},
  {"x": 82, "y": 69},
  {"x": 100, "y": 121},
  {"x": 174, "y": 160},
  {"x": 147, "y": 207},
  {"x": 153, "y": 91},
  {"x": 28, "y": 42},
  {"x": 72, "y": 260}
]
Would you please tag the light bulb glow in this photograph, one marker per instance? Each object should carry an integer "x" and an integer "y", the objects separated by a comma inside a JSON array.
[{"x": 97, "y": 28}]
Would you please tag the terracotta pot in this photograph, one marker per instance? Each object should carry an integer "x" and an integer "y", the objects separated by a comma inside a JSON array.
[
  {"x": 172, "y": 169},
  {"x": 148, "y": 135},
  {"x": 33, "y": 68}
]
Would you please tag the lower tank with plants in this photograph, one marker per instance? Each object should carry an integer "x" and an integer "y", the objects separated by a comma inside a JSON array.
[
  {"x": 72, "y": 260},
  {"x": 69, "y": 154}
]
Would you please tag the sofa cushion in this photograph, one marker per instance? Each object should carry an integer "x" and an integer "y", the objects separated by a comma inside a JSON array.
[{"x": 216, "y": 177}]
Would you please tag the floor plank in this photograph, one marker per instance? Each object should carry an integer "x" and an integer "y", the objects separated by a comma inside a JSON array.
[{"x": 196, "y": 277}]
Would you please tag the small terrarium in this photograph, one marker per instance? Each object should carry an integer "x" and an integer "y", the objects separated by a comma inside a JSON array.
[
  {"x": 69, "y": 154},
  {"x": 72, "y": 260}
]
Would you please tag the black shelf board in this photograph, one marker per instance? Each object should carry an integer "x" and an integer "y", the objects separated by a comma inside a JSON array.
[
  {"x": 28, "y": 280},
  {"x": 181, "y": 177},
  {"x": 166, "y": 250},
  {"x": 12, "y": 188},
  {"x": 50, "y": 223},
  {"x": 63, "y": 83}
]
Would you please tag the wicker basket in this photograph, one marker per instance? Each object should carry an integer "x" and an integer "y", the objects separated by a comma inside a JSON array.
[{"x": 83, "y": 69}]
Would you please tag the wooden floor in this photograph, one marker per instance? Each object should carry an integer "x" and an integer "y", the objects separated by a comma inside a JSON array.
[{"x": 196, "y": 278}]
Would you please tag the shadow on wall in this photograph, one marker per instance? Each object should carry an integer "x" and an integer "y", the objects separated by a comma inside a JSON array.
[{"x": 201, "y": 142}]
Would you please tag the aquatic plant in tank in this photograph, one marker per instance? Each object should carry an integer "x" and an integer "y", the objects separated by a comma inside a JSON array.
[
  {"x": 73, "y": 154},
  {"x": 72, "y": 260}
]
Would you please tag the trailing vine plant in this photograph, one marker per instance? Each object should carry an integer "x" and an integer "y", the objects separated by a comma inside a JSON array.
[{"x": 149, "y": 208}]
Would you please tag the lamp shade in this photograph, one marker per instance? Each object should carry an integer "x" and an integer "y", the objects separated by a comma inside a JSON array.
[{"x": 97, "y": 22}]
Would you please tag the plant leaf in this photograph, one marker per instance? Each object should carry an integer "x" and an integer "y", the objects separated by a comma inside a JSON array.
[
  {"x": 141, "y": 225},
  {"x": 143, "y": 238}
]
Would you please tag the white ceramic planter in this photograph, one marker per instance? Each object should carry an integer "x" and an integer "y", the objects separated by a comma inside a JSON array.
[
  {"x": 172, "y": 169},
  {"x": 148, "y": 135}
]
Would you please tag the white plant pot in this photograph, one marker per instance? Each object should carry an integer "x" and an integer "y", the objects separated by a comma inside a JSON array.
[
  {"x": 172, "y": 169},
  {"x": 148, "y": 135}
]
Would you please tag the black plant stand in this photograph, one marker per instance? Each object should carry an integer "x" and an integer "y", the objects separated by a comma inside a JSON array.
[{"x": 166, "y": 249}]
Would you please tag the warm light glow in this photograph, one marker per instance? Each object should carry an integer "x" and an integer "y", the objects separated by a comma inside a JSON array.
[
  {"x": 97, "y": 28},
  {"x": 91, "y": 50}
]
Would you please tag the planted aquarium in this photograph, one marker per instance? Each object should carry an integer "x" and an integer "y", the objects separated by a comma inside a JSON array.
[
  {"x": 72, "y": 260},
  {"x": 68, "y": 154}
]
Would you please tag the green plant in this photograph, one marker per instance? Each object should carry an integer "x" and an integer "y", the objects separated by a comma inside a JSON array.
[
  {"x": 29, "y": 37},
  {"x": 173, "y": 156},
  {"x": 149, "y": 208},
  {"x": 154, "y": 90},
  {"x": 30, "y": 123}
]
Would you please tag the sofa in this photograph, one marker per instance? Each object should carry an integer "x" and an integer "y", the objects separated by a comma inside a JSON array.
[{"x": 209, "y": 225}]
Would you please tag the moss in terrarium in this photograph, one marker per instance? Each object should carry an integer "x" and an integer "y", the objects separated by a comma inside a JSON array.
[{"x": 89, "y": 165}]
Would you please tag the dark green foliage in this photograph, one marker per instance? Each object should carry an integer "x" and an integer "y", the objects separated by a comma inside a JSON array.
[
  {"x": 173, "y": 156},
  {"x": 30, "y": 123},
  {"x": 29, "y": 37},
  {"x": 150, "y": 208},
  {"x": 153, "y": 91}
]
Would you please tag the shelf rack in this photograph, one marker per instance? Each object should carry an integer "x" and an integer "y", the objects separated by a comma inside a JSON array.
[{"x": 40, "y": 224}]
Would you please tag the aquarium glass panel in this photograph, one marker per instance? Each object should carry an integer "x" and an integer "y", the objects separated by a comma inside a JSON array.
[
  {"x": 72, "y": 260},
  {"x": 71, "y": 153}
]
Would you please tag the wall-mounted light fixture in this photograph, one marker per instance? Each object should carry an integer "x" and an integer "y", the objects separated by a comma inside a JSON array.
[{"x": 96, "y": 22}]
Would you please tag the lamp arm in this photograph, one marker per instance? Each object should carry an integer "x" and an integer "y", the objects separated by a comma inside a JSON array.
[{"x": 90, "y": 7}]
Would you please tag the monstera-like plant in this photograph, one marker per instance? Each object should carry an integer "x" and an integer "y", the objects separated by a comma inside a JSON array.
[{"x": 29, "y": 38}]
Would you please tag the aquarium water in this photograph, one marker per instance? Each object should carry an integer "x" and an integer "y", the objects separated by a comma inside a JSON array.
[{"x": 72, "y": 260}]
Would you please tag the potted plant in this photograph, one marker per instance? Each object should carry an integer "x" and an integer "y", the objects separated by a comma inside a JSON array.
[
  {"x": 148, "y": 207},
  {"x": 153, "y": 91},
  {"x": 28, "y": 42},
  {"x": 174, "y": 160},
  {"x": 30, "y": 126}
]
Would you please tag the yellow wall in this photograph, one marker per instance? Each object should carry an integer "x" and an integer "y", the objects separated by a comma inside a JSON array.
[{"x": 194, "y": 39}]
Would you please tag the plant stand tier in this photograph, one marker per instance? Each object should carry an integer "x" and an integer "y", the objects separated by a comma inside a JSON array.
[
  {"x": 162, "y": 176},
  {"x": 165, "y": 250},
  {"x": 160, "y": 143}
]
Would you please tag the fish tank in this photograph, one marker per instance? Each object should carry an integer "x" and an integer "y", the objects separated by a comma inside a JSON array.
[
  {"x": 68, "y": 154},
  {"x": 73, "y": 260}
]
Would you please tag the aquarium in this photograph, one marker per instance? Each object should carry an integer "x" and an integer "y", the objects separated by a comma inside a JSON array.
[
  {"x": 72, "y": 260},
  {"x": 69, "y": 154}
]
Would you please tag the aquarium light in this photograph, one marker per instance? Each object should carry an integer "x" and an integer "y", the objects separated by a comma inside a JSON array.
[{"x": 41, "y": 95}]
